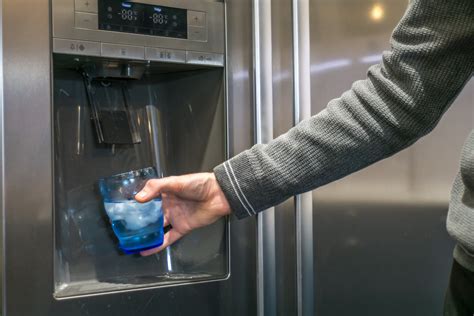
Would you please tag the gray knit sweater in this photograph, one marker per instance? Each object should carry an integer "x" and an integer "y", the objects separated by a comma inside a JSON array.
[{"x": 402, "y": 99}]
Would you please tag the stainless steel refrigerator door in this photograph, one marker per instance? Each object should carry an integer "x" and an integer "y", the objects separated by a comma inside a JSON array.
[
  {"x": 381, "y": 246},
  {"x": 28, "y": 196}
]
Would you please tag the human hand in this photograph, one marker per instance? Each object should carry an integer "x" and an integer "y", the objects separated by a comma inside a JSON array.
[{"x": 188, "y": 202}]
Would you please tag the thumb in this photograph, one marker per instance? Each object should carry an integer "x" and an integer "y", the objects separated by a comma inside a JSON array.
[{"x": 155, "y": 187}]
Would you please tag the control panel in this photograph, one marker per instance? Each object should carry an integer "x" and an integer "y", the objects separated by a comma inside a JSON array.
[
  {"x": 145, "y": 19},
  {"x": 176, "y": 31}
]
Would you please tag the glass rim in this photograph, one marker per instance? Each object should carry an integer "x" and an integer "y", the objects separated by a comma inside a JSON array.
[{"x": 129, "y": 174}]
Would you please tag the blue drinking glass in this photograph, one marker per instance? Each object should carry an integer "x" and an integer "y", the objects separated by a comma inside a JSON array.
[{"x": 138, "y": 226}]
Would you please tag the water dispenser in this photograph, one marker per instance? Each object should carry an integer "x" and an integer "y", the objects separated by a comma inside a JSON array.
[{"x": 135, "y": 84}]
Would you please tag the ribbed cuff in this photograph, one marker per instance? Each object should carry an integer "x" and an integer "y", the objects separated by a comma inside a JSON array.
[
  {"x": 464, "y": 258},
  {"x": 238, "y": 191}
]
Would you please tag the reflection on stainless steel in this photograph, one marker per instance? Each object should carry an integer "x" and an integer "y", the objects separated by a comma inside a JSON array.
[
  {"x": 169, "y": 264},
  {"x": 79, "y": 136},
  {"x": 371, "y": 59},
  {"x": 158, "y": 156},
  {"x": 377, "y": 12},
  {"x": 156, "y": 137},
  {"x": 330, "y": 64},
  {"x": 266, "y": 264},
  {"x": 303, "y": 202},
  {"x": 380, "y": 235}
]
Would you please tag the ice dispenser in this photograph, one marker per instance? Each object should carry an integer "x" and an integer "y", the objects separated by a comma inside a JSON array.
[{"x": 135, "y": 85}]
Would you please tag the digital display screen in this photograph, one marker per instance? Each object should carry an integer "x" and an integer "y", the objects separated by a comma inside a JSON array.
[{"x": 138, "y": 18}]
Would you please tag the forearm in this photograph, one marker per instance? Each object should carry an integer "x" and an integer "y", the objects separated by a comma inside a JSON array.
[{"x": 401, "y": 100}]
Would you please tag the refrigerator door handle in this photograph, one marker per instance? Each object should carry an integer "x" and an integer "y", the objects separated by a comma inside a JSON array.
[
  {"x": 263, "y": 100},
  {"x": 303, "y": 202}
]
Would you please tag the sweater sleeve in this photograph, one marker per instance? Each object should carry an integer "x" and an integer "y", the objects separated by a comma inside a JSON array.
[{"x": 401, "y": 100}]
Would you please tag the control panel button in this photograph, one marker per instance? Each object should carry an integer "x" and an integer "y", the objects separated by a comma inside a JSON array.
[
  {"x": 196, "y": 18},
  {"x": 166, "y": 55},
  {"x": 76, "y": 47},
  {"x": 197, "y": 33},
  {"x": 123, "y": 51},
  {"x": 86, "y": 6},
  {"x": 88, "y": 21},
  {"x": 198, "y": 58}
]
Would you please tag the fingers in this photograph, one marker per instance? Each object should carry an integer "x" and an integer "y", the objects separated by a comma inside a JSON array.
[
  {"x": 155, "y": 187},
  {"x": 166, "y": 221},
  {"x": 192, "y": 186},
  {"x": 170, "y": 238}
]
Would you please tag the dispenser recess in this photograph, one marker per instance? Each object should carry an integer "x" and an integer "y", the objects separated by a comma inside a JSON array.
[{"x": 125, "y": 100}]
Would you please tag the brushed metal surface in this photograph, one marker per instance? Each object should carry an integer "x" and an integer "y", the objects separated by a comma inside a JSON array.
[
  {"x": 27, "y": 158},
  {"x": 165, "y": 55},
  {"x": 122, "y": 51},
  {"x": 197, "y": 33},
  {"x": 87, "y": 21},
  {"x": 283, "y": 117},
  {"x": 63, "y": 27},
  {"x": 381, "y": 246},
  {"x": 210, "y": 59},
  {"x": 76, "y": 47},
  {"x": 86, "y": 6},
  {"x": 197, "y": 19}
]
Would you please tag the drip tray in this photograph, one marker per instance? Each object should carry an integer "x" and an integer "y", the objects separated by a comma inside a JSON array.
[{"x": 76, "y": 289}]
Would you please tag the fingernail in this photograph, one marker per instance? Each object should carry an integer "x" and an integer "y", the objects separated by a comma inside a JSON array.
[{"x": 142, "y": 194}]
